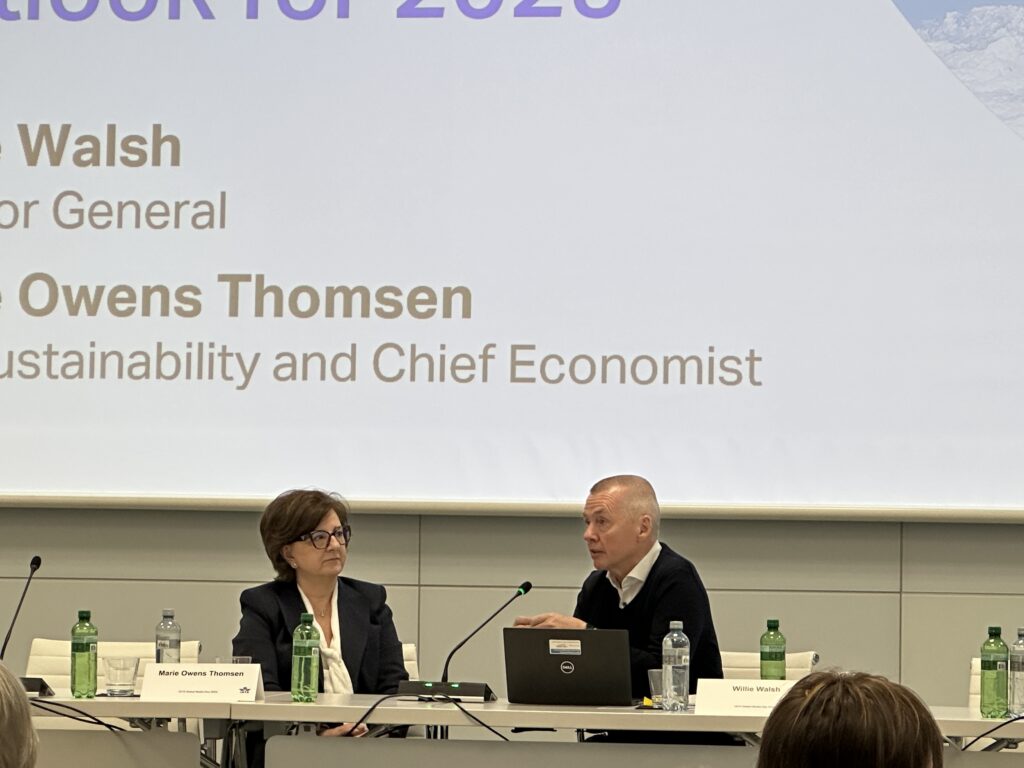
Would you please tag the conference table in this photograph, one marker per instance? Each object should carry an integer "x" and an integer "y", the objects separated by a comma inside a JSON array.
[
  {"x": 956, "y": 723},
  {"x": 276, "y": 713}
]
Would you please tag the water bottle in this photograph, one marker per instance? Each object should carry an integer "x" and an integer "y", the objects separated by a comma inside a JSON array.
[
  {"x": 1017, "y": 675},
  {"x": 168, "y": 639},
  {"x": 84, "y": 637},
  {"x": 994, "y": 659},
  {"x": 773, "y": 653},
  {"x": 305, "y": 660},
  {"x": 675, "y": 669}
]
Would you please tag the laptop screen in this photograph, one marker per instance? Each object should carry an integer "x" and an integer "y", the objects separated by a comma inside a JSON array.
[{"x": 567, "y": 666}]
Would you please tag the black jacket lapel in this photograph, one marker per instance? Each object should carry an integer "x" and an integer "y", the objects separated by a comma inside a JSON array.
[
  {"x": 292, "y": 609},
  {"x": 354, "y": 621}
]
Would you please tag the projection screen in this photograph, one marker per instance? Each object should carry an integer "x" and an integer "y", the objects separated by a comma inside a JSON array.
[{"x": 492, "y": 250}]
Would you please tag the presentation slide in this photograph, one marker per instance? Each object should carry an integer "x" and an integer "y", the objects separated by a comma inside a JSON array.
[{"x": 763, "y": 253}]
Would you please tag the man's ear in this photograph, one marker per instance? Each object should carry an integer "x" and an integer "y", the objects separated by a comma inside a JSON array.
[{"x": 645, "y": 526}]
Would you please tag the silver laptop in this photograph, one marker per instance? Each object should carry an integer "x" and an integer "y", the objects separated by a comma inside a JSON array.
[{"x": 568, "y": 666}]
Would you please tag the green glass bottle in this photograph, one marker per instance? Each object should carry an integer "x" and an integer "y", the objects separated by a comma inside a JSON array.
[
  {"x": 305, "y": 660},
  {"x": 83, "y": 657},
  {"x": 773, "y": 653},
  {"x": 995, "y": 658}
]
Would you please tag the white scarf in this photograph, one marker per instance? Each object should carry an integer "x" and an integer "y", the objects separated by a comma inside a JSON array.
[{"x": 336, "y": 677}]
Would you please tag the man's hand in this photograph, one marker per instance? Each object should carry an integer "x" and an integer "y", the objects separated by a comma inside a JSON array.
[
  {"x": 550, "y": 621},
  {"x": 345, "y": 729}
]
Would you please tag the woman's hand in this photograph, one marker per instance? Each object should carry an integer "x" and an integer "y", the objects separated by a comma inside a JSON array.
[{"x": 345, "y": 729}]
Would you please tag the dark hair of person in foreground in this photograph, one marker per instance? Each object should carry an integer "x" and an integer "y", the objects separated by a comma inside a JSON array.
[{"x": 836, "y": 719}]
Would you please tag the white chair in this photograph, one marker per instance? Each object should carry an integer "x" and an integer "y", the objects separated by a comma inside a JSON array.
[
  {"x": 51, "y": 660},
  {"x": 744, "y": 665},
  {"x": 409, "y": 659},
  {"x": 412, "y": 666},
  {"x": 974, "y": 686}
]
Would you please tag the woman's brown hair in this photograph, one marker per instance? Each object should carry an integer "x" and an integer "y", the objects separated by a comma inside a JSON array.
[
  {"x": 293, "y": 514},
  {"x": 835, "y": 719}
]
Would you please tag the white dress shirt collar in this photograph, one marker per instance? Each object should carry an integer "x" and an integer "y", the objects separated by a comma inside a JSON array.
[{"x": 634, "y": 581}]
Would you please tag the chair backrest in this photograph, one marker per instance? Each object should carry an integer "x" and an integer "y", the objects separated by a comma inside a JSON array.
[
  {"x": 974, "y": 686},
  {"x": 745, "y": 665},
  {"x": 51, "y": 659},
  {"x": 409, "y": 658}
]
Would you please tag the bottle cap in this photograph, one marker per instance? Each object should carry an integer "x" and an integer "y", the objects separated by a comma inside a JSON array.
[
  {"x": 995, "y": 631},
  {"x": 773, "y": 623},
  {"x": 1020, "y": 631},
  {"x": 675, "y": 625},
  {"x": 306, "y": 618},
  {"x": 84, "y": 615},
  {"x": 168, "y": 613}
]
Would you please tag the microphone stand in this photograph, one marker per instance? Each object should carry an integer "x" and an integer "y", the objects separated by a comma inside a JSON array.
[
  {"x": 32, "y": 685},
  {"x": 33, "y": 567},
  {"x": 519, "y": 593},
  {"x": 459, "y": 691}
]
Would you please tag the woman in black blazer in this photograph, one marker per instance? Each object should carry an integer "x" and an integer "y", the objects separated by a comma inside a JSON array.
[{"x": 306, "y": 535}]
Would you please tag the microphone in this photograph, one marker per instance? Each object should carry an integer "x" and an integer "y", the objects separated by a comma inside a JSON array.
[
  {"x": 460, "y": 690},
  {"x": 33, "y": 567},
  {"x": 522, "y": 590},
  {"x": 32, "y": 685}
]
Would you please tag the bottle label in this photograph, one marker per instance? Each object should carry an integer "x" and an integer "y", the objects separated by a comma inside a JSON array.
[
  {"x": 168, "y": 655},
  {"x": 84, "y": 645}
]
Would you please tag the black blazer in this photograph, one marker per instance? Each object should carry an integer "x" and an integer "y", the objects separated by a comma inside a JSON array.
[{"x": 369, "y": 643}]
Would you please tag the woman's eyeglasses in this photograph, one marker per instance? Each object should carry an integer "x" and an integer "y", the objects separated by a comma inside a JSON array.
[{"x": 320, "y": 539}]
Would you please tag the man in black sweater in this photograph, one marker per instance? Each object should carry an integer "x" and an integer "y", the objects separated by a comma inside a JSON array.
[{"x": 639, "y": 584}]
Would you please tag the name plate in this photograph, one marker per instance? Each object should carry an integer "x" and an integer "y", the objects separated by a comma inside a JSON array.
[
  {"x": 739, "y": 697},
  {"x": 202, "y": 682}
]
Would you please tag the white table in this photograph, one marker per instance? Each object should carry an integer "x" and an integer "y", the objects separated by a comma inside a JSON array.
[
  {"x": 954, "y": 722},
  {"x": 145, "y": 715},
  {"x": 340, "y": 708},
  {"x": 961, "y": 724},
  {"x": 132, "y": 708}
]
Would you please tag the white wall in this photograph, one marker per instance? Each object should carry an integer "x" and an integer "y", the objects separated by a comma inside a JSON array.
[{"x": 910, "y": 601}]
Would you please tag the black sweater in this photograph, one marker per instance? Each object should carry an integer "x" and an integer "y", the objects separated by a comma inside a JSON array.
[{"x": 672, "y": 591}]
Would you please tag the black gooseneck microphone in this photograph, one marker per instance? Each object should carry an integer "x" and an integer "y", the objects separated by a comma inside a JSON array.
[
  {"x": 520, "y": 591},
  {"x": 460, "y": 690},
  {"x": 33, "y": 567}
]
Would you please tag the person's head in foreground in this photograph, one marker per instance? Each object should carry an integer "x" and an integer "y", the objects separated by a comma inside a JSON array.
[
  {"x": 17, "y": 736},
  {"x": 836, "y": 719}
]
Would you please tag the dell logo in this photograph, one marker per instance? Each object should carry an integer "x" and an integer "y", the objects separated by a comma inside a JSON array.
[{"x": 567, "y": 667}]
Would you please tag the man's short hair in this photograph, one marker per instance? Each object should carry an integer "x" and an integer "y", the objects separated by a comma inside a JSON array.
[
  {"x": 638, "y": 497},
  {"x": 840, "y": 719},
  {"x": 18, "y": 741}
]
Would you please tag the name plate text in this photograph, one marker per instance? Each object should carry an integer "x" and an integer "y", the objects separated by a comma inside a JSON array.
[
  {"x": 739, "y": 697},
  {"x": 202, "y": 682}
]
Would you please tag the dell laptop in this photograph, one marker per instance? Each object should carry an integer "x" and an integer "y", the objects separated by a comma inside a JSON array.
[{"x": 568, "y": 666}]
